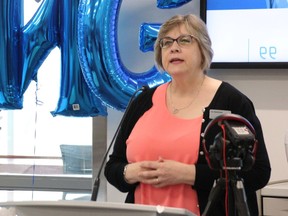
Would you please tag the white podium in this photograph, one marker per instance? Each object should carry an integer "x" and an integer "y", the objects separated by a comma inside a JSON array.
[{"x": 87, "y": 208}]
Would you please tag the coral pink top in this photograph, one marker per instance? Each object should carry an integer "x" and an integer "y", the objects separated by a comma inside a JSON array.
[{"x": 160, "y": 134}]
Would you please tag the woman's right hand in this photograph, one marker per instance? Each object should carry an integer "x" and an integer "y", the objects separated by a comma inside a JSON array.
[{"x": 132, "y": 173}]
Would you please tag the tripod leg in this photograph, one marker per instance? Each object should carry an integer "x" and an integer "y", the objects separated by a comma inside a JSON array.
[
  {"x": 214, "y": 194},
  {"x": 240, "y": 198}
]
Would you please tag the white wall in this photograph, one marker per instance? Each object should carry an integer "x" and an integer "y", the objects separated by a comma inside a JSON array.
[{"x": 267, "y": 88}]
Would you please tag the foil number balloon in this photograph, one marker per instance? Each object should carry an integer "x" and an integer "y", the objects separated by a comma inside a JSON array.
[
  {"x": 103, "y": 69},
  {"x": 99, "y": 56},
  {"x": 76, "y": 98}
]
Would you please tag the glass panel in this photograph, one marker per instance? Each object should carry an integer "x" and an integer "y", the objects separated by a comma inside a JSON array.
[
  {"x": 34, "y": 143},
  {"x": 31, "y": 138}
]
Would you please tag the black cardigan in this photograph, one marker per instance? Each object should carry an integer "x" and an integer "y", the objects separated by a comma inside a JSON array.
[{"x": 226, "y": 98}]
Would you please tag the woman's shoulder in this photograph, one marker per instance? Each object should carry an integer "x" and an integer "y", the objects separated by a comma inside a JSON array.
[
  {"x": 144, "y": 99},
  {"x": 217, "y": 84},
  {"x": 148, "y": 91},
  {"x": 228, "y": 89},
  {"x": 229, "y": 94}
]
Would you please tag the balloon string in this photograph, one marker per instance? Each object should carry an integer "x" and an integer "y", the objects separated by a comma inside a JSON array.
[{"x": 37, "y": 102}]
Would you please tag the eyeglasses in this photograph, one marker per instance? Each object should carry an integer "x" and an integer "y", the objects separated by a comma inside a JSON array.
[{"x": 182, "y": 41}]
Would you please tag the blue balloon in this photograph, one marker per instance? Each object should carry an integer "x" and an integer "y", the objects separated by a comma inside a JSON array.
[
  {"x": 148, "y": 36},
  {"x": 168, "y": 4},
  {"x": 76, "y": 98},
  {"x": 11, "y": 20},
  {"x": 99, "y": 56},
  {"x": 23, "y": 49},
  {"x": 38, "y": 38}
]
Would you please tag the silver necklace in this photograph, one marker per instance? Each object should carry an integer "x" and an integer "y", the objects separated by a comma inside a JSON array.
[{"x": 176, "y": 110}]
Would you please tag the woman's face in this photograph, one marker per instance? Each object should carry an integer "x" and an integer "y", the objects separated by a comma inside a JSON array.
[{"x": 180, "y": 59}]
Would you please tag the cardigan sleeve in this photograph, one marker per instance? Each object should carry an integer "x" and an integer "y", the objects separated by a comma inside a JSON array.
[{"x": 117, "y": 160}]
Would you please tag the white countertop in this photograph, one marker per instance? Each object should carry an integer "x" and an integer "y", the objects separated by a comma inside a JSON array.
[{"x": 277, "y": 190}]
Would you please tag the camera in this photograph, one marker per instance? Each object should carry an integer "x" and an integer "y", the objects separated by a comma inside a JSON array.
[{"x": 234, "y": 146}]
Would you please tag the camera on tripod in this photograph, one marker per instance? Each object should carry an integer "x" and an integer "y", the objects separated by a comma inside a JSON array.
[{"x": 234, "y": 147}]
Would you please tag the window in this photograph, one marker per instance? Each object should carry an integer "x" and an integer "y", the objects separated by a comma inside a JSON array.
[{"x": 31, "y": 160}]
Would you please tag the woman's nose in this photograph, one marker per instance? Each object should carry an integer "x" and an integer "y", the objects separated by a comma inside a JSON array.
[{"x": 175, "y": 47}]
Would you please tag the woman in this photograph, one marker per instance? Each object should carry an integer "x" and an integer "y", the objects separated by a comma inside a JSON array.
[{"x": 158, "y": 157}]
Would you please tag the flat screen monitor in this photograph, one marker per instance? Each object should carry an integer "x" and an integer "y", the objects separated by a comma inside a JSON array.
[{"x": 247, "y": 33}]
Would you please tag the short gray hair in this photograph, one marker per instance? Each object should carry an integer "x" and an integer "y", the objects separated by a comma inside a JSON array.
[{"x": 194, "y": 26}]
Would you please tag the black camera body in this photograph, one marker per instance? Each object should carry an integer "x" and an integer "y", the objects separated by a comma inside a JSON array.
[{"x": 234, "y": 147}]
